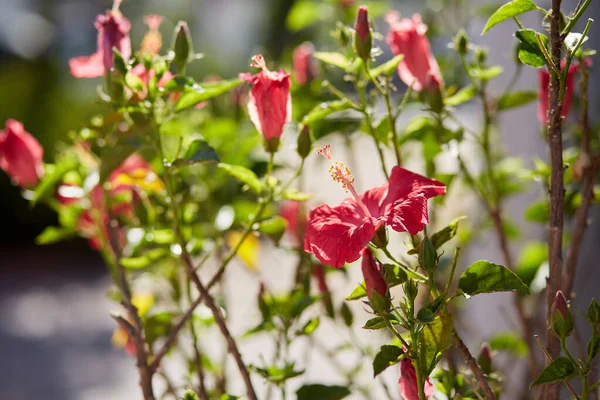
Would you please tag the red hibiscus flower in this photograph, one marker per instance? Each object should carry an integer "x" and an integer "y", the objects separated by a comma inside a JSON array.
[
  {"x": 270, "y": 102},
  {"x": 113, "y": 31},
  {"x": 20, "y": 155},
  {"x": 407, "y": 383},
  {"x": 336, "y": 235}
]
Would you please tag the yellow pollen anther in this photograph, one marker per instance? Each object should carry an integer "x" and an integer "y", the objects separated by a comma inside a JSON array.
[{"x": 341, "y": 174}]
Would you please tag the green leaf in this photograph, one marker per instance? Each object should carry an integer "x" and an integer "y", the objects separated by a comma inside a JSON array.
[
  {"x": 324, "y": 109},
  {"x": 528, "y": 50},
  {"x": 447, "y": 233},
  {"x": 274, "y": 227},
  {"x": 425, "y": 316},
  {"x": 531, "y": 257},
  {"x": 189, "y": 395},
  {"x": 462, "y": 96},
  {"x": 394, "y": 276},
  {"x": 53, "y": 177},
  {"x": 322, "y": 392},
  {"x": 310, "y": 326},
  {"x": 229, "y": 397},
  {"x": 134, "y": 82},
  {"x": 306, "y": 13},
  {"x": 378, "y": 323},
  {"x": 158, "y": 325},
  {"x": 358, "y": 292},
  {"x": 53, "y": 234},
  {"x": 198, "y": 151},
  {"x": 244, "y": 175},
  {"x": 347, "y": 314},
  {"x": 388, "y": 67},
  {"x": 508, "y": 10},
  {"x": 558, "y": 370},
  {"x": 383, "y": 130},
  {"x": 388, "y": 355},
  {"x": 487, "y": 73},
  {"x": 205, "y": 92},
  {"x": 135, "y": 262},
  {"x": 163, "y": 236},
  {"x": 436, "y": 338},
  {"x": 294, "y": 194},
  {"x": 486, "y": 277},
  {"x": 276, "y": 374},
  {"x": 336, "y": 59},
  {"x": 516, "y": 99},
  {"x": 511, "y": 342},
  {"x": 417, "y": 128},
  {"x": 538, "y": 212}
]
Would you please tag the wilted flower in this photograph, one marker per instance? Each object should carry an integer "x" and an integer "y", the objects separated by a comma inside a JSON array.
[
  {"x": 20, "y": 155},
  {"x": 113, "y": 31},
  {"x": 336, "y": 235},
  {"x": 270, "y": 103},
  {"x": 407, "y": 37}
]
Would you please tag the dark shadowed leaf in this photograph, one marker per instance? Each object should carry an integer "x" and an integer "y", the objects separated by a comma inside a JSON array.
[
  {"x": 388, "y": 355},
  {"x": 516, "y": 99},
  {"x": 559, "y": 370},
  {"x": 198, "y": 151},
  {"x": 447, "y": 233},
  {"x": 322, "y": 392}
]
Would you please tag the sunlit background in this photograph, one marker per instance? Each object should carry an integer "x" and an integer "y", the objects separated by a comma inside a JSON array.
[{"x": 55, "y": 329}]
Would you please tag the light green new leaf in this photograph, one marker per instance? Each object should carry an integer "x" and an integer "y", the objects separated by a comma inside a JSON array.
[
  {"x": 244, "y": 175},
  {"x": 508, "y": 10},
  {"x": 388, "y": 67},
  {"x": 324, "y": 109},
  {"x": 516, "y": 99},
  {"x": 462, "y": 96},
  {"x": 205, "y": 92}
]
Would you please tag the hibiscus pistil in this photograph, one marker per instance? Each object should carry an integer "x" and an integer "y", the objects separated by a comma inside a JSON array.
[{"x": 341, "y": 174}]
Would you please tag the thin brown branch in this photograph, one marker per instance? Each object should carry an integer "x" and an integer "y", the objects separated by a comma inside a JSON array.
[
  {"x": 472, "y": 363},
  {"x": 551, "y": 392},
  {"x": 549, "y": 358},
  {"x": 135, "y": 329},
  {"x": 587, "y": 192}
]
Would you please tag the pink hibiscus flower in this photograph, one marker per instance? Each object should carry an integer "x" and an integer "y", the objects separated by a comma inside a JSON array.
[{"x": 336, "y": 235}]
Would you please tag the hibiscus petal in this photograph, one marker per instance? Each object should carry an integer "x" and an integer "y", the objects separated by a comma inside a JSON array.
[
  {"x": 409, "y": 215},
  {"x": 87, "y": 66},
  {"x": 336, "y": 235},
  {"x": 405, "y": 184}
]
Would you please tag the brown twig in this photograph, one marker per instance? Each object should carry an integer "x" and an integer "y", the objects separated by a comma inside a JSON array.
[
  {"x": 135, "y": 329},
  {"x": 472, "y": 363},
  {"x": 549, "y": 358},
  {"x": 551, "y": 392},
  {"x": 587, "y": 193}
]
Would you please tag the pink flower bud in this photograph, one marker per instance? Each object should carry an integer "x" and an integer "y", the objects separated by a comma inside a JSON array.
[
  {"x": 362, "y": 37},
  {"x": 373, "y": 274},
  {"x": 407, "y": 382},
  {"x": 270, "y": 103},
  {"x": 561, "y": 319},
  {"x": 304, "y": 66},
  {"x": 544, "y": 92},
  {"x": 560, "y": 304},
  {"x": 20, "y": 155},
  {"x": 407, "y": 37},
  {"x": 113, "y": 31}
]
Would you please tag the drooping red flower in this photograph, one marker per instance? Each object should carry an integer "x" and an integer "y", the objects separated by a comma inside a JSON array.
[
  {"x": 113, "y": 31},
  {"x": 407, "y": 37},
  {"x": 373, "y": 274},
  {"x": 544, "y": 92},
  {"x": 20, "y": 155},
  {"x": 270, "y": 102},
  {"x": 336, "y": 235},
  {"x": 407, "y": 383},
  {"x": 304, "y": 65}
]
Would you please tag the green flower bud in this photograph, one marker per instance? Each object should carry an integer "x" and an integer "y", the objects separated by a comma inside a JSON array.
[
  {"x": 461, "y": 42},
  {"x": 411, "y": 289},
  {"x": 304, "y": 143},
  {"x": 182, "y": 46},
  {"x": 561, "y": 319},
  {"x": 593, "y": 312}
]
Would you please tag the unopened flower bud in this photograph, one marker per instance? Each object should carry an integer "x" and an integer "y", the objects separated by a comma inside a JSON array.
[
  {"x": 461, "y": 42},
  {"x": 377, "y": 290},
  {"x": 362, "y": 35},
  {"x": 304, "y": 143},
  {"x": 593, "y": 312},
  {"x": 182, "y": 46},
  {"x": 342, "y": 34},
  {"x": 380, "y": 240},
  {"x": 481, "y": 54},
  {"x": 485, "y": 358},
  {"x": 561, "y": 319},
  {"x": 411, "y": 289}
]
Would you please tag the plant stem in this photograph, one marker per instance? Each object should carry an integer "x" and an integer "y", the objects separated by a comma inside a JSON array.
[
  {"x": 402, "y": 266},
  {"x": 452, "y": 270},
  {"x": 551, "y": 392},
  {"x": 575, "y": 18},
  {"x": 392, "y": 117},
  {"x": 472, "y": 363},
  {"x": 202, "y": 393}
]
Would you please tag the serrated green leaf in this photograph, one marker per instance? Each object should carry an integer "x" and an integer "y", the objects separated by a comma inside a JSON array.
[
  {"x": 558, "y": 370},
  {"x": 388, "y": 67},
  {"x": 447, "y": 233},
  {"x": 244, "y": 175},
  {"x": 135, "y": 262},
  {"x": 486, "y": 277},
  {"x": 204, "y": 92},
  {"x": 322, "y": 392},
  {"x": 508, "y": 10},
  {"x": 516, "y": 99},
  {"x": 198, "y": 151},
  {"x": 54, "y": 234},
  {"x": 462, "y": 96},
  {"x": 324, "y": 109},
  {"x": 528, "y": 50},
  {"x": 388, "y": 355},
  {"x": 332, "y": 58}
]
